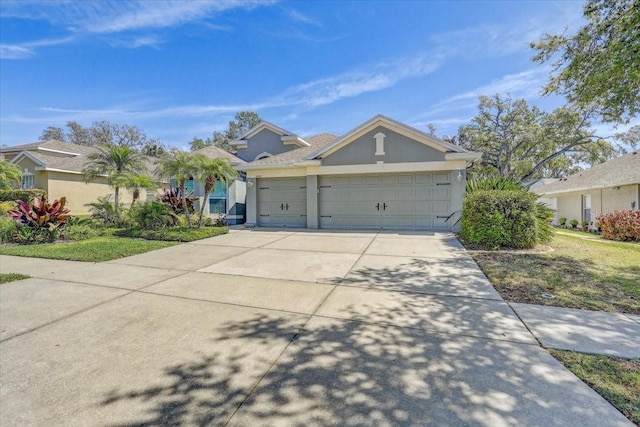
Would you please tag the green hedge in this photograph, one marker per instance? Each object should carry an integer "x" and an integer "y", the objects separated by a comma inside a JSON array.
[
  {"x": 24, "y": 195},
  {"x": 173, "y": 234},
  {"x": 500, "y": 218}
]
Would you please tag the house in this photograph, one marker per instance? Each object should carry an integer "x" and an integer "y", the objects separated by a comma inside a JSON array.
[
  {"x": 381, "y": 175},
  {"x": 604, "y": 188},
  {"x": 56, "y": 167}
]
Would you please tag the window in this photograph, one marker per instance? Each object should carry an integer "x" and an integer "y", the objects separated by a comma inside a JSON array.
[
  {"x": 27, "y": 181},
  {"x": 218, "y": 199},
  {"x": 586, "y": 208}
]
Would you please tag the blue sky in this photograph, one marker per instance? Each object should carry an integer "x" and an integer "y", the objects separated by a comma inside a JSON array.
[{"x": 183, "y": 69}]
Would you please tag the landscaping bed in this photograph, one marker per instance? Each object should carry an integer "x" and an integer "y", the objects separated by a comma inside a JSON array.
[{"x": 578, "y": 273}]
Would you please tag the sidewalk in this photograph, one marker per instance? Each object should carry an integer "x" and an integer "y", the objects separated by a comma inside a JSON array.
[{"x": 596, "y": 332}]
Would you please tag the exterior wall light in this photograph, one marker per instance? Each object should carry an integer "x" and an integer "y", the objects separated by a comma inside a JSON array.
[{"x": 459, "y": 177}]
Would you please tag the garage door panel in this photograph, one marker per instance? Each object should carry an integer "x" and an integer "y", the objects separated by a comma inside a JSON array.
[
  {"x": 406, "y": 201},
  {"x": 282, "y": 202}
]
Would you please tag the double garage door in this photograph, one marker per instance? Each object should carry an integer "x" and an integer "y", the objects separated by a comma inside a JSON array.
[{"x": 419, "y": 201}]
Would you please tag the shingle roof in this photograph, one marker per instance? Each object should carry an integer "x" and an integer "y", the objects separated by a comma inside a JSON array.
[
  {"x": 65, "y": 155},
  {"x": 623, "y": 170},
  {"x": 297, "y": 155},
  {"x": 214, "y": 152}
]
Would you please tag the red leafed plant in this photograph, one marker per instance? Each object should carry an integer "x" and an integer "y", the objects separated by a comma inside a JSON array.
[
  {"x": 620, "y": 225},
  {"x": 39, "y": 220}
]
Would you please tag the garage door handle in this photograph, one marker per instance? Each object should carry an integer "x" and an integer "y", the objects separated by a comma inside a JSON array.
[
  {"x": 442, "y": 216},
  {"x": 384, "y": 206},
  {"x": 443, "y": 183},
  {"x": 281, "y": 206},
  {"x": 286, "y": 206},
  {"x": 378, "y": 206},
  {"x": 325, "y": 216},
  {"x": 264, "y": 215}
]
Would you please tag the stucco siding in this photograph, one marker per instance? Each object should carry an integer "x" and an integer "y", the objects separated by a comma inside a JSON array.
[
  {"x": 604, "y": 200},
  {"x": 397, "y": 149},
  {"x": 79, "y": 193},
  {"x": 265, "y": 141}
]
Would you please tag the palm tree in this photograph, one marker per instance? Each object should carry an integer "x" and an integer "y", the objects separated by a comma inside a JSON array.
[
  {"x": 9, "y": 172},
  {"x": 137, "y": 182},
  {"x": 180, "y": 166},
  {"x": 209, "y": 172},
  {"x": 118, "y": 163}
]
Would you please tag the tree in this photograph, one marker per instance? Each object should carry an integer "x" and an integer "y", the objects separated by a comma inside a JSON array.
[
  {"x": 181, "y": 167},
  {"x": 9, "y": 173},
  {"x": 104, "y": 132},
  {"x": 135, "y": 183},
  {"x": 118, "y": 163},
  {"x": 198, "y": 143},
  {"x": 523, "y": 142},
  {"x": 598, "y": 67},
  {"x": 52, "y": 132},
  {"x": 209, "y": 171},
  {"x": 242, "y": 123}
]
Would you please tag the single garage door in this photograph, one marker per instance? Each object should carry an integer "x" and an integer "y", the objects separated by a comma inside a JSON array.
[
  {"x": 282, "y": 202},
  {"x": 420, "y": 201}
]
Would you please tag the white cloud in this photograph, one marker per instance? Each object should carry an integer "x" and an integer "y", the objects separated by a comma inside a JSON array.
[
  {"x": 297, "y": 16},
  {"x": 8, "y": 51}
]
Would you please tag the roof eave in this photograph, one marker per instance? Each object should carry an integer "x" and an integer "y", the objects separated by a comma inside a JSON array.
[{"x": 297, "y": 164}]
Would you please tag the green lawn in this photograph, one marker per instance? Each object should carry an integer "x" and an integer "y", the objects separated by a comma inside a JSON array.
[
  {"x": 98, "y": 249},
  {"x": 11, "y": 277},
  {"x": 617, "y": 380},
  {"x": 581, "y": 273}
]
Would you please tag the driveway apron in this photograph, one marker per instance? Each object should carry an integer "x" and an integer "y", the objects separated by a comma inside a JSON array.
[{"x": 278, "y": 327}]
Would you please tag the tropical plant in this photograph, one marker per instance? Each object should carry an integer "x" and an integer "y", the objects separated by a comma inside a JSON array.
[
  {"x": 136, "y": 183},
  {"x": 172, "y": 197},
  {"x": 104, "y": 211},
  {"x": 153, "y": 214},
  {"x": 179, "y": 166},
  {"x": 9, "y": 173},
  {"x": 209, "y": 172},
  {"x": 493, "y": 183},
  {"x": 118, "y": 163},
  {"x": 43, "y": 219}
]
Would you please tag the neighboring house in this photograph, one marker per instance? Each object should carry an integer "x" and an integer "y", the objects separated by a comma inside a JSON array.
[
  {"x": 605, "y": 188},
  {"x": 381, "y": 175},
  {"x": 56, "y": 167}
]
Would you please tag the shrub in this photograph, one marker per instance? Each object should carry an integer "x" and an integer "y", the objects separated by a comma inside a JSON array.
[
  {"x": 574, "y": 223},
  {"x": 25, "y": 195},
  {"x": 620, "y": 225},
  {"x": 174, "y": 234},
  {"x": 153, "y": 214},
  {"x": 81, "y": 232},
  {"x": 40, "y": 221},
  {"x": 501, "y": 218},
  {"x": 585, "y": 225},
  {"x": 562, "y": 221},
  {"x": 8, "y": 229}
]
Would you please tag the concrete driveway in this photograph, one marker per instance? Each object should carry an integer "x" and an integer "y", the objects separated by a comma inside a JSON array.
[{"x": 278, "y": 327}]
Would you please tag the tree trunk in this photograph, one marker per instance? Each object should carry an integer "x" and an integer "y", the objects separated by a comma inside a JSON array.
[
  {"x": 183, "y": 189},
  {"x": 207, "y": 190},
  {"x": 117, "y": 201}
]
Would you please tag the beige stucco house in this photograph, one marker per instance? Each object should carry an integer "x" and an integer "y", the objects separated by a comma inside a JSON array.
[
  {"x": 56, "y": 167},
  {"x": 605, "y": 188}
]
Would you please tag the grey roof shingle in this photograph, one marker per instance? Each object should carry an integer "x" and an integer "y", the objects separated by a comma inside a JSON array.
[
  {"x": 73, "y": 158},
  {"x": 297, "y": 155},
  {"x": 623, "y": 170}
]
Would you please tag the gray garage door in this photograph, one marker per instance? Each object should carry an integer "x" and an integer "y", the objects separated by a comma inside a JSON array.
[
  {"x": 390, "y": 201},
  {"x": 282, "y": 202}
]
